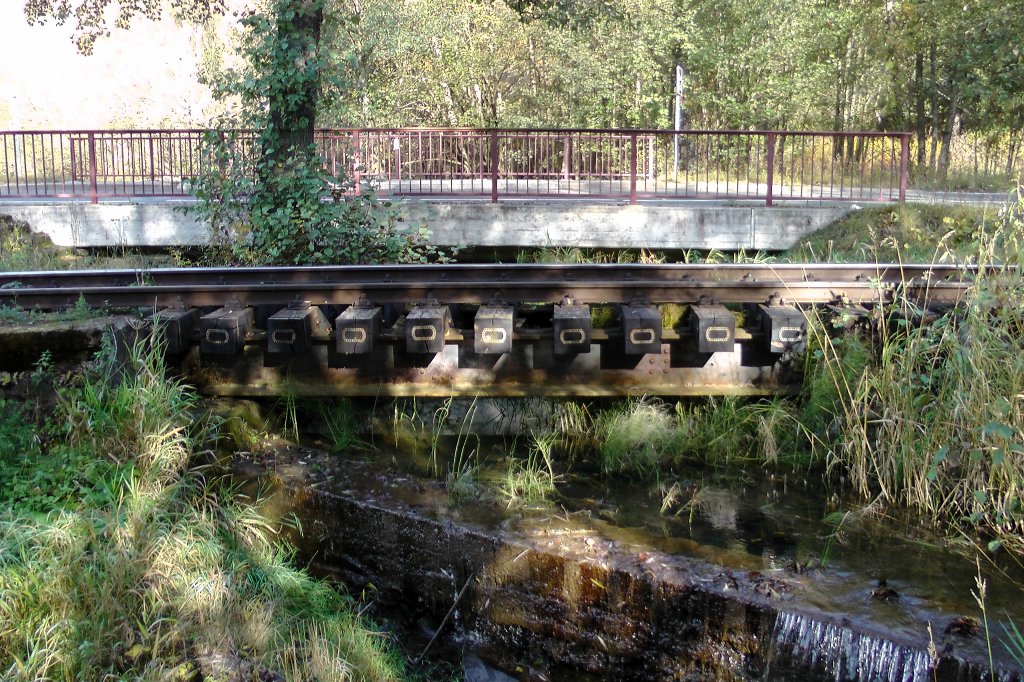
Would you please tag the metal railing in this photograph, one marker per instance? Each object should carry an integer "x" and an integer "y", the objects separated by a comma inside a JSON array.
[{"x": 631, "y": 165}]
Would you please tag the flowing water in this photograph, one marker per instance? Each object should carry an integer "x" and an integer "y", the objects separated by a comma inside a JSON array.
[{"x": 875, "y": 578}]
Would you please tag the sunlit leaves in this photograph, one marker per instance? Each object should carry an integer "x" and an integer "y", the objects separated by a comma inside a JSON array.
[{"x": 91, "y": 17}]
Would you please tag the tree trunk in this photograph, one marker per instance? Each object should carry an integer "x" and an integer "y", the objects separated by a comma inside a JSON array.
[
  {"x": 935, "y": 106},
  {"x": 947, "y": 130},
  {"x": 1012, "y": 153},
  {"x": 293, "y": 111},
  {"x": 921, "y": 123},
  {"x": 837, "y": 122}
]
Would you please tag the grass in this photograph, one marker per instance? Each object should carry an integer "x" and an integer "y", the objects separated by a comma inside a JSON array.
[
  {"x": 902, "y": 232},
  {"x": 928, "y": 414},
  {"x": 1014, "y": 642},
  {"x": 574, "y": 255},
  {"x": 338, "y": 422},
  {"x": 633, "y": 440},
  {"x": 162, "y": 575},
  {"x": 532, "y": 480},
  {"x": 22, "y": 250},
  {"x": 640, "y": 437}
]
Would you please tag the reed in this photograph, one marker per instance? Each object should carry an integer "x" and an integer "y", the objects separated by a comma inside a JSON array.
[{"x": 927, "y": 411}]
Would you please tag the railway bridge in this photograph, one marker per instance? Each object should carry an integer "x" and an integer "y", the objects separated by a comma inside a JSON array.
[{"x": 496, "y": 330}]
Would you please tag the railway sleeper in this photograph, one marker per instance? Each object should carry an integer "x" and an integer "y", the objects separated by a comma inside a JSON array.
[{"x": 567, "y": 328}]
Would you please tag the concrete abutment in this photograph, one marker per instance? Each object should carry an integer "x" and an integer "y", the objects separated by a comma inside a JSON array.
[{"x": 565, "y": 224}]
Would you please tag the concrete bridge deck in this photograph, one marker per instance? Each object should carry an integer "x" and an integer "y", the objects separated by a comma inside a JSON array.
[{"x": 584, "y": 222}]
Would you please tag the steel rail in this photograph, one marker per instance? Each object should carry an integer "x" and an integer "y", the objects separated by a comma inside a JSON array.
[{"x": 478, "y": 283}]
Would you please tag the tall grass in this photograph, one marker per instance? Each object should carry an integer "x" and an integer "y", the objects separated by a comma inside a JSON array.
[
  {"x": 642, "y": 436},
  {"x": 935, "y": 419},
  {"x": 168, "y": 576},
  {"x": 531, "y": 480},
  {"x": 634, "y": 439}
]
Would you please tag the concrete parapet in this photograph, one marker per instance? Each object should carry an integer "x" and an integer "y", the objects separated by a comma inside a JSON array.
[{"x": 509, "y": 224}]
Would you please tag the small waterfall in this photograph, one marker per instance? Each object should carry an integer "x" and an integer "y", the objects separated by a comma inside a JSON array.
[{"x": 841, "y": 654}]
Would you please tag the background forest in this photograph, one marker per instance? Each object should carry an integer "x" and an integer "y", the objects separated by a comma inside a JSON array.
[
  {"x": 940, "y": 68},
  {"x": 950, "y": 71}
]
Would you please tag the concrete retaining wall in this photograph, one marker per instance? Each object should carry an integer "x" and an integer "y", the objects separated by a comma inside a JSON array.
[{"x": 518, "y": 224}]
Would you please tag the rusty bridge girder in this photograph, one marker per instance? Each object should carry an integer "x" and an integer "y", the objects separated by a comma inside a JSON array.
[{"x": 497, "y": 330}]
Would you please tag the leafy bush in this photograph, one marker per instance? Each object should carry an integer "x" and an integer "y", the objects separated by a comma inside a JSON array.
[{"x": 267, "y": 195}]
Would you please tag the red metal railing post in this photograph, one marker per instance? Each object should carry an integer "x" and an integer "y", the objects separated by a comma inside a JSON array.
[
  {"x": 904, "y": 164},
  {"x": 769, "y": 143},
  {"x": 74, "y": 169},
  {"x": 357, "y": 173},
  {"x": 567, "y": 158},
  {"x": 93, "y": 190},
  {"x": 632, "y": 168},
  {"x": 494, "y": 166}
]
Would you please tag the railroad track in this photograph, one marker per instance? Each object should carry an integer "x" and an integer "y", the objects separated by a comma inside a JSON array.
[
  {"x": 498, "y": 329},
  {"x": 606, "y": 283}
]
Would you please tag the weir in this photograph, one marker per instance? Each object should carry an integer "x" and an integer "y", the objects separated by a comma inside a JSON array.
[{"x": 576, "y": 590}]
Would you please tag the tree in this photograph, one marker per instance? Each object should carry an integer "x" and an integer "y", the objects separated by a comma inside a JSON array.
[
  {"x": 264, "y": 179},
  {"x": 91, "y": 16},
  {"x": 473, "y": 63},
  {"x": 266, "y": 190}
]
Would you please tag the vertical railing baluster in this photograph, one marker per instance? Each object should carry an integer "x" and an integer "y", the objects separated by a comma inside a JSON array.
[
  {"x": 904, "y": 164},
  {"x": 93, "y": 191},
  {"x": 494, "y": 165},
  {"x": 632, "y": 168}
]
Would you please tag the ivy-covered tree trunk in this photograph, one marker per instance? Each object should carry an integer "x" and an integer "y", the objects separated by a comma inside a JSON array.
[
  {"x": 293, "y": 93},
  {"x": 293, "y": 107}
]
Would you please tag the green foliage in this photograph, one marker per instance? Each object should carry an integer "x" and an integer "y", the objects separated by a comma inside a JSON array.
[
  {"x": 643, "y": 436},
  {"x": 453, "y": 63},
  {"x": 91, "y": 16},
  {"x": 933, "y": 419},
  {"x": 41, "y": 468},
  {"x": 927, "y": 233},
  {"x": 1014, "y": 642},
  {"x": 833, "y": 362},
  {"x": 338, "y": 422},
  {"x": 272, "y": 199},
  {"x": 164, "y": 571},
  {"x": 23, "y": 249},
  {"x": 633, "y": 439},
  {"x": 533, "y": 480}
]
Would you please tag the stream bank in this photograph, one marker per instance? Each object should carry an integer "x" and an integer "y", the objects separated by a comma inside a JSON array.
[{"x": 564, "y": 593}]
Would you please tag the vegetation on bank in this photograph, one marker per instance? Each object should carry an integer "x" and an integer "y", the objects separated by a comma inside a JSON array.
[
  {"x": 934, "y": 419},
  {"x": 121, "y": 557},
  {"x": 908, "y": 233},
  {"x": 914, "y": 408}
]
